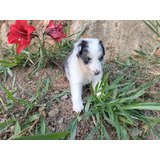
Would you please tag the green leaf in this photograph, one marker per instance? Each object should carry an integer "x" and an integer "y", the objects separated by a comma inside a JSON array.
[
  {"x": 47, "y": 86},
  {"x": 57, "y": 75},
  {"x": 13, "y": 83},
  {"x": 152, "y": 29},
  {"x": 80, "y": 33},
  {"x": 105, "y": 133},
  {"x": 117, "y": 126},
  {"x": 88, "y": 104},
  {"x": 4, "y": 125},
  {"x": 9, "y": 72},
  {"x": 126, "y": 114},
  {"x": 123, "y": 133},
  {"x": 104, "y": 80},
  {"x": 154, "y": 131},
  {"x": 93, "y": 132},
  {"x": 34, "y": 117},
  {"x": 108, "y": 94},
  {"x": 97, "y": 117},
  {"x": 140, "y": 52},
  {"x": 71, "y": 124},
  {"x": 107, "y": 119},
  {"x": 17, "y": 128},
  {"x": 125, "y": 120},
  {"x": 138, "y": 93},
  {"x": 7, "y": 92},
  {"x": 73, "y": 132},
  {"x": 143, "y": 106},
  {"x": 43, "y": 125},
  {"x": 50, "y": 136}
]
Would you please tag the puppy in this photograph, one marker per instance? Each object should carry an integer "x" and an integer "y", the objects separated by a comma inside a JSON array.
[{"x": 82, "y": 66}]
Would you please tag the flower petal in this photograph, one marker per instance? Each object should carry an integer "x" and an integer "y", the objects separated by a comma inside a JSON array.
[
  {"x": 21, "y": 22},
  {"x": 22, "y": 46},
  {"x": 51, "y": 24},
  {"x": 12, "y": 38},
  {"x": 19, "y": 33},
  {"x": 30, "y": 29},
  {"x": 60, "y": 26}
]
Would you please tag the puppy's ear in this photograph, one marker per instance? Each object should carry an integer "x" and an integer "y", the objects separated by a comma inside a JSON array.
[
  {"x": 81, "y": 47},
  {"x": 103, "y": 49}
]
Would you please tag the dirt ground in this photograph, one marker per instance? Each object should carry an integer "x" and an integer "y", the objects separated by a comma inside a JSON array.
[{"x": 58, "y": 115}]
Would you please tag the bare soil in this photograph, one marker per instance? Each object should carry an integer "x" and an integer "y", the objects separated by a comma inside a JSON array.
[{"x": 58, "y": 115}]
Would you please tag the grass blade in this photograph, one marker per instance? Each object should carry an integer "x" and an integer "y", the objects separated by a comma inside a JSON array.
[
  {"x": 4, "y": 125},
  {"x": 7, "y": 92},
  {"x": 143, "y": 106},
  {"x": 93, "y": 132},
  {"x": 105, "y": 133},
  {"x": 73, "y": 133},
  {"x": 50, "y": 136},
  {"x": 43, "y": 125}
]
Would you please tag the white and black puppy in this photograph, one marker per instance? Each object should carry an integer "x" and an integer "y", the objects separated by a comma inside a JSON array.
[{"x": 84, "y": 65}]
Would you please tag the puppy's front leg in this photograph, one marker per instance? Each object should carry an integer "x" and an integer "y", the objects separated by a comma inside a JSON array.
[{"x": 76, "y": 92}]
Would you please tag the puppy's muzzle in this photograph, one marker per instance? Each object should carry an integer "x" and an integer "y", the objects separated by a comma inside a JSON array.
[{"x": 96, "y": 72}]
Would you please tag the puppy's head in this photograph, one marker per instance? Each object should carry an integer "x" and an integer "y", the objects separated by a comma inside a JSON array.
[{"x": 91, "y": 55}]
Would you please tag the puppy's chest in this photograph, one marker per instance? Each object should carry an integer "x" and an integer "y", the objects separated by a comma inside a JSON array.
[{"x": 87, "y": 79}]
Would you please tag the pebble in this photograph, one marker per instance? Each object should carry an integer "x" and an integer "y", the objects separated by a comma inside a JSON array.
[
  {"x": 37, "y": 74},
  {"x": 41, "y": 109},
  {"x": 12, "y": 128},
  {"x": 157, "y": 84},
  {"x": 56, "y": 92},
  {"x": 53, "y": 129},
  {"x": 17, "y": 115},
  {"x": 61, "y": 120},
  {"x": 137, "y": 132},
  {"x": 64, "y": 97},
  {"x": 52, "y": 113},
  {"x": 31, "y": 99}
]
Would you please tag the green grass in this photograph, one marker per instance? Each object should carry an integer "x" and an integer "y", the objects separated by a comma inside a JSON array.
[
  {"x": 121, "y": 106},
  {"x": 34, "y": 123},
  {"x": 118, "y": 106}
]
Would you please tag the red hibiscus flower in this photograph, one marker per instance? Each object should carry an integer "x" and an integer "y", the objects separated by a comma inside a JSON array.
[
  {"x": 21, "y": 33},
  {"x": 55, "y": 31}
]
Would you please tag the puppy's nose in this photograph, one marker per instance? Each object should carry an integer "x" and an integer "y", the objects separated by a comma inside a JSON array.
[{"x": 96, "y": 72}]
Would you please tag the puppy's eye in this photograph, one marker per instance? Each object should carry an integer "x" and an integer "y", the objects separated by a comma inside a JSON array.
[
  {"x": 87, "y": 60},
  {"x": 101, "y": 58}
]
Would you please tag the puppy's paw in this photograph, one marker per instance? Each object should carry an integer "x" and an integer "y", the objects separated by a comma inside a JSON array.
[
  {"x": 98, "y": 94},
  {"x": 78, "y": 107}
]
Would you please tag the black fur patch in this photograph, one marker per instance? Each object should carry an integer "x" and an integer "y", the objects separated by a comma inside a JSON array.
[
  {"x": 83, "y": 53},
  {"x": 103, "y": 50},
  {"x": 101, "y": 44}
]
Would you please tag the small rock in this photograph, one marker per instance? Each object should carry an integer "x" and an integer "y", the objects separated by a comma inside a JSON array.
[
  {"x": 12, "y": 128},
  {"x": 64, "y": 97},
  {"x": 157, "y": 84},
  {"x": 31, "y": 99},
  {"x": 3, "y": 120},
  {"x": 41, "y": 109},
  {"x": 137, "y": 132},
  {"x": 56, "y": 92},
  {"x": 61, "y": 120},
  {"x": 52, "y": 113},
  {"x": 53, "y": 129},
  {"x": 5, "y": 137},
  {"x": 36, "y": 74},
  {"x": 30, "y": 82}
]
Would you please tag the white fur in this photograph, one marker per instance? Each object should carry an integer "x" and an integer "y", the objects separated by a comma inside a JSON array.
[{"x": 80, "y": 74}]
